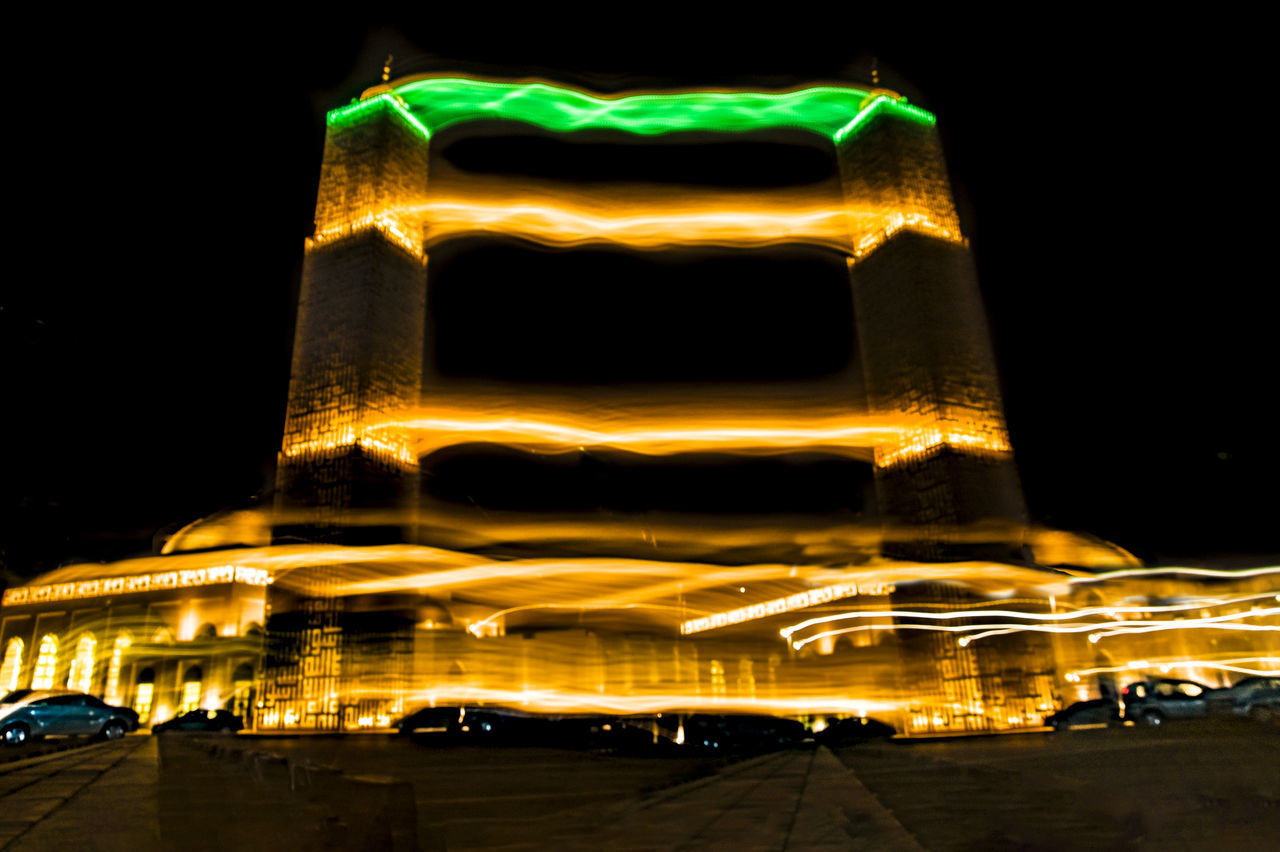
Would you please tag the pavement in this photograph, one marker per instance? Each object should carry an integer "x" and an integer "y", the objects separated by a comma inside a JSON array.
[
  {"x": 111, "y": 797},
  {"x": 1189, "y": 787},
  {"x": 99, "y": 797}
]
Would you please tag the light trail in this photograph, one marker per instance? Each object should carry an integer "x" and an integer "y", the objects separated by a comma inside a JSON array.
[
  {"x": 1186, "y": 572},
  {"x": 571, "y": 701},
  {"x": 1070, "y": 615},
  {"x": 428, "y": 104},
  {"x": 641, "y": 434},
  {"x": 981, "y": 631}
]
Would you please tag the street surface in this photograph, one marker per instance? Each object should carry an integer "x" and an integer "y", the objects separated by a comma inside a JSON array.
[
  {"x": 1185, "y": 786},
  {"x": 1189, "y": 785}
]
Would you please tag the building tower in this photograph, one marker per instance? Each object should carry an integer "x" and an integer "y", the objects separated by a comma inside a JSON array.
[{"x": 926, "y": 359}]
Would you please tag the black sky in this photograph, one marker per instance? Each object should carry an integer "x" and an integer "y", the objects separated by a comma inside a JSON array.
[{"x": 1106, "y": 182}]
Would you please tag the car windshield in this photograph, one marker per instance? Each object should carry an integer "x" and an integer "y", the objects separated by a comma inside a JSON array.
[{"x": 16, "y": 696}]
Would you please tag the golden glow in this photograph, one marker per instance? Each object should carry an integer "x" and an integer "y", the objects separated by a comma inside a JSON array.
[
  {"x": 652, "y": 434},
  {"x": 1114, "y": 612},
  {"x": 1096, "y": 630},
  {"x": 81, "y": 675},
  {"x": 11, "y": 669},
  {"x": 346, "y": 438},
  {"x": 46, "y": 663},
  {"x": 987, "y": 436},
  {"x": 391, "y": 225},
  {"x": 656, "y": 219}
]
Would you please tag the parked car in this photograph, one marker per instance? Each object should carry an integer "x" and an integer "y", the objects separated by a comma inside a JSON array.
[
  {"x": 44, "y": 712},
  {"x": 1157, "y": 700},
  {"x": 1093, "y": 713},
  {"x": 1257, "y": 698},
  {"x": 209, "y": 721}
]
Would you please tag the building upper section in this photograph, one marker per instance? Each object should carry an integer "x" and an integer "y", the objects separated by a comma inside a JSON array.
[{"x": 902, "y": 185}]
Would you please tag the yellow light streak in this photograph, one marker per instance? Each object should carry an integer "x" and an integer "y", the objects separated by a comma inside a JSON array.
[
  {"x": 1031, "y": 616},
  {"x": 975, "y": 632},
  {"x": 1183, "y": 572},
  {"x": 573, "y": 701},
  {"x": 642, "y": 433},
  {"x": 801, "y": 600}
]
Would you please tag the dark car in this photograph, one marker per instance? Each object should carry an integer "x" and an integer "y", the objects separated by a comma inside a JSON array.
[
  {"x": 854, "y": 730},
  {"x": 1097, "y": 712},
  {"x": 1257, "y": 698},
  {"x": 207, "y": 721},
  {"x": 1157, "y": 700},
  {"x": 57, "y": 712}
]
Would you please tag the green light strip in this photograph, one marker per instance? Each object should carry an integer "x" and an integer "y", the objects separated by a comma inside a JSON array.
[{"x": 428, "y": 105}]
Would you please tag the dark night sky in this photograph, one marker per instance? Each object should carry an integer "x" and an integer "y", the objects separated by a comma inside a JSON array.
[{"x": 1103, "y": 183}]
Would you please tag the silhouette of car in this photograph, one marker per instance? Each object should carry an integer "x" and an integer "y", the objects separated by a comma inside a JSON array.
[
  {"x": 1093, "y": 713},
  {"x": 1155, "y": 701},
  {"x": 207, "y": 721},
  {"x": 1255, "y": 697},
  {"x": 30, "y": 714}
]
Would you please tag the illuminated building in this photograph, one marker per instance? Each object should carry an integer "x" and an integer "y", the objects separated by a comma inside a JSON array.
[
  {"x": 943, "y": 613},
  {"x": 351, "y": 441},
  {"x": 151, "y": 636}
]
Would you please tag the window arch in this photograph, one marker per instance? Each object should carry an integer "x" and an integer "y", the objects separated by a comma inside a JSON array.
[
  {"x": 11, "y": 669},
  {"x": 46, "y": 663},
  {"x": 192, "y": 687},
  {"x": 80, "y": 678}
]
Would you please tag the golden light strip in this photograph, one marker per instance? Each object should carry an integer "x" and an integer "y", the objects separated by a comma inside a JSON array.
[
  {"x": 642, "y": 435},
  {"x": 638, "y": 221},
  {"x": 543, "y": 700},
  {"x": 1068, "y": 615},
  {"x": 1224, "y": 622},
  {"x": 801, "y": 600}
]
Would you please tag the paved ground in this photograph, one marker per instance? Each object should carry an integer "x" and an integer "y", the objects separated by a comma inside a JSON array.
[
  {"x": 97, "y": 797},
  {"x": 1186, "y": 786},
  {"x": 1182, "y": 787}
]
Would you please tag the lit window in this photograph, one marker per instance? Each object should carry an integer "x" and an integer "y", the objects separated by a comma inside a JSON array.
[
  {"x": 191, "y": 689},
  {"x": 46, "y": 663},
  {"x": 142, "y": 702},
  {"x": 11, "y": 670},
  {"x": 717, "y": 678},
  {"x": 81, "y": 675},
  {"x": 123, "y": 641}
]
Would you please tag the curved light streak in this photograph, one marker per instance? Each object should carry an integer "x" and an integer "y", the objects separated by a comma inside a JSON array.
[{"x": 1070, "y": 615}]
